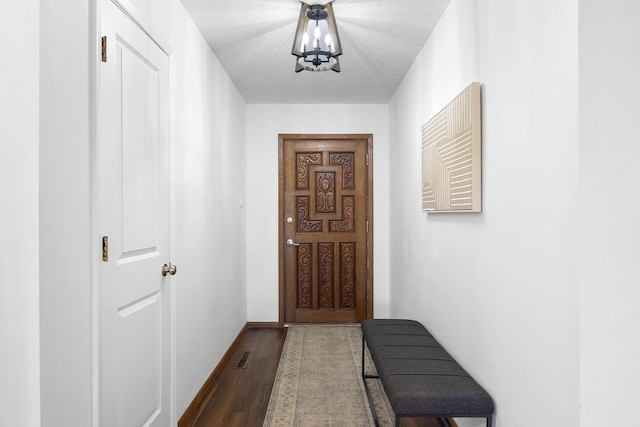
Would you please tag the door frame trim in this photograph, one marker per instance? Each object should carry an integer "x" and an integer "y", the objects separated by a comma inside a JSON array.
[{"x": 281, "y": 244}]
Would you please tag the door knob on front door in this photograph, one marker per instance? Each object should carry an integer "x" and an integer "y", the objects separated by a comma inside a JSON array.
[
  {"x": 169, "y": 269},
  {"x": 290, "y": 242}
]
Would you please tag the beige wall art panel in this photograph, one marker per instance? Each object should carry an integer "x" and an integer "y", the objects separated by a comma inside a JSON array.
[{"x": 451, "y": 156}]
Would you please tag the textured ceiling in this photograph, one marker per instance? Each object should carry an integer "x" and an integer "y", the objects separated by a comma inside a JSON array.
[{"x": 253, "y": 38}]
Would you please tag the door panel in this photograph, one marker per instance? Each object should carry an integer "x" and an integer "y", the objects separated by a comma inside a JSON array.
[
  {"x": 139, "y": 327},
  {"x": 132, "y": 161},
  {"x": 139, "y": 151},
  {"x": 326, "y": 212}
]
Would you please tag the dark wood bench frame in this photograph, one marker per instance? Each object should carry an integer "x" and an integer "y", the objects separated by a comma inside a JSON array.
[{"x": 460, "y": 411}]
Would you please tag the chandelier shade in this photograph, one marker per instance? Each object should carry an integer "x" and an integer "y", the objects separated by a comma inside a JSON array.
[{"x": 316, "y": 44}]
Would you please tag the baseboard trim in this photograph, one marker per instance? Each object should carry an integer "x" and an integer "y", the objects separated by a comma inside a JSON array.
[
  {"x": 200, "y": 401},
  {"x": 257, "y": 325}
]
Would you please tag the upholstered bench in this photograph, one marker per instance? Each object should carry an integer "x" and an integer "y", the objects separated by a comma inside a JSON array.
[{"x": 419, "y": 377}]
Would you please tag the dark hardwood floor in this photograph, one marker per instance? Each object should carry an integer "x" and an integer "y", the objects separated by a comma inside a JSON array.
[
  {"x": 241, "y": 391},
  {"x": 243, "y": 387}
]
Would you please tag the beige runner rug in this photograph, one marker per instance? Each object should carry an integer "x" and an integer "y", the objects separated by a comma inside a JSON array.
[{"x": 319, "y": 382}]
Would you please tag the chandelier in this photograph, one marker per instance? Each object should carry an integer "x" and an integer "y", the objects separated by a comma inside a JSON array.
[{"x": 316, "y": 43}]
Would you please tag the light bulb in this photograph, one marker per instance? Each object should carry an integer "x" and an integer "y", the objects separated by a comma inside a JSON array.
[
  {"x": 317, "y": 33},
  {"x": 305, "y": 41},
  {"x": 328, "y": 41}
]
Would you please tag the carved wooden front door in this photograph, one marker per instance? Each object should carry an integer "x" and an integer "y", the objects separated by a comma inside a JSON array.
[{"x": 326, "y": 229}]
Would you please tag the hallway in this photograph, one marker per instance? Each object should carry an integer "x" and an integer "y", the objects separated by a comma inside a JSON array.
[
  {"x": 241, "y": 393},
  {"x": 543, "y": 282}
]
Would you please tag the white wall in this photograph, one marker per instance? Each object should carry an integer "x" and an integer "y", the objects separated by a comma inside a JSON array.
[
  {"x": 65, "y": 215},
  {"x": 500, "y": 289},
  {"x": 264, "y": 123},
  {"x": 208, "y": 128},
  {"x": 19, "y": 330},
  {"x": 609, "y": 211},
  {"x": 209, "y": 133}
]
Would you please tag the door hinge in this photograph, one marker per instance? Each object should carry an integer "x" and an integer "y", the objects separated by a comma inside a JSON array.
[
  {"x": 104, "y": 49},
  {"x": 105, "y": 248},
  {"x": 366, "y": 160},
  {"x": 367, "y": 222}
]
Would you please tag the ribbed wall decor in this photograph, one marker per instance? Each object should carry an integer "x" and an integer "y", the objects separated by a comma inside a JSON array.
[{"x": 451, "y": 156}]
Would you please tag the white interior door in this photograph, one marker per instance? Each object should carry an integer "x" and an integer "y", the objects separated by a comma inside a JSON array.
[{"x": 132, "y": 161}]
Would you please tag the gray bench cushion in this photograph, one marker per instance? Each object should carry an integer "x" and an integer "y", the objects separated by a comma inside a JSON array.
[
  {"x": 432, "y": 395},
  {"x": 398, "y": 352},
  {"x": 390, "y": 367},
  {"x": 419, "y": 377}
]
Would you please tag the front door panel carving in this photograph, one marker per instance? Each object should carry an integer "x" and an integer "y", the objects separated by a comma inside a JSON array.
[{"x": 326, "y": 188}]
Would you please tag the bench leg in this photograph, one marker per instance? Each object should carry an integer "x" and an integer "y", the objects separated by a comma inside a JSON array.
[
  {"x": 373, "y": 408},
  {"x": 363, "y": 344},
  {"x": 366, "y": 387}
]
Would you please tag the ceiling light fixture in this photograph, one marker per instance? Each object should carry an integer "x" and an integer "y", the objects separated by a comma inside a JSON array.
[{"x": 316, "y": 43}]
